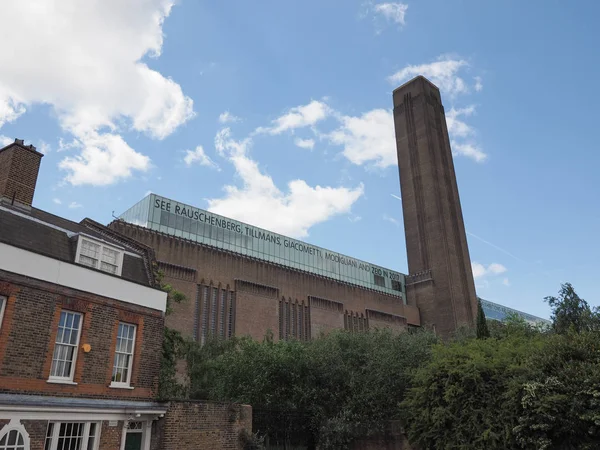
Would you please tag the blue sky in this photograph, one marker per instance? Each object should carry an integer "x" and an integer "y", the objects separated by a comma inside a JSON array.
[{"x": 278, "y": 113}]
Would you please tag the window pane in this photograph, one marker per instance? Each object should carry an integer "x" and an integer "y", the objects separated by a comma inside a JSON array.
[
  {"x": 110, "y": 268},
  {"x": 12, "y": 437},
  {"x": 123, "y": 352},
  {"x": 109, "y": 256},
  {"x": 66, "y": 342}
]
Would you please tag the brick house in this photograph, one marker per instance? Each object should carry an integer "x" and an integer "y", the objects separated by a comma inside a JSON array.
[{"x": 81, "y": 326}]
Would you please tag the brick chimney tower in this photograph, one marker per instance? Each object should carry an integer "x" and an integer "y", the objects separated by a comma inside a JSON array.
[
  {"x": 19, "y": 168},
  {"x": 440, "y": 281}
]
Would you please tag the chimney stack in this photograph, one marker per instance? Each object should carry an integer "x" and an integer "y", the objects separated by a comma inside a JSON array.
[{"x": 19, "y": 168}]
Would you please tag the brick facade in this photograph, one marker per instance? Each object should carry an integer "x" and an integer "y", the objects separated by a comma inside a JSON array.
[
  {"x": 259, "y": 289},
  {"x": 28, "y": 333},
  {"x": 208, "y": 426}
]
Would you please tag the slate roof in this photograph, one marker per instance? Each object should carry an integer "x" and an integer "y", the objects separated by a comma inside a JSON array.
[{"x": 56, "y": 237}]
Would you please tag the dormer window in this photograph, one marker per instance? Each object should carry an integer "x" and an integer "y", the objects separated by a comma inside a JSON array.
[{"x": 99, "y": 256}]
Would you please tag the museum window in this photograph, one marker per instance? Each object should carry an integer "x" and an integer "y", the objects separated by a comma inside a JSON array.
[
  {"x": 396, "y": 286},
  {"x": 222, "y": 314},
  {"x": 204, "y": 330},
  {"x": 2, "y": 307},
  {"x": 213, "y": 313},
  {"x": 72, "y": 436},
  {"x": 121, "y": 374},
  {"x": 230, "y": 326},
  {"x": 379, "y": 280},
  {"x": 99, "y": 256},
  {"x": 216, "y": 313},
  {"x": 65, "y": 347}
]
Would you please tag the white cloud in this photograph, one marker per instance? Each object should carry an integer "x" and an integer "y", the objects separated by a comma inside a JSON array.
[
  {"x": 505, "y": 282},
  {"x": 457, "y": 127},
  {"x": 74, "y": 205},
  {"x": 10, "y": 108},
  {"x": 5, "y": 140},
  {"x": 468, "y": 149},
  {"x": 478, "y": 84},
  {"x": 444, "y": 73},
  {"x": 308, "y": 144},
  {"x": 462, "y": 134},
  {"x": 198, "y": 156},
  {"x": 298, "y": 117},
  {"x": 394, "y": 12},
  {"x": 104, "y": 159},
  {"x": 227, "y": 117},
  {"x": 355, "y": 219},
  {"x": 43, "y": 147},
  {"x": 260, "y": 202},
  {"x": 368, "y": 139},
  {"x": 480, "y": 271},
  {"x": 391, "y": 220},
  {"x": 57, "y": 201},
  {"x": 93, "y": 76}
]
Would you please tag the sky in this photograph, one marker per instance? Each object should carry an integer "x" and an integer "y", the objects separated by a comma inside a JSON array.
[{"x": 278, "y": 113}]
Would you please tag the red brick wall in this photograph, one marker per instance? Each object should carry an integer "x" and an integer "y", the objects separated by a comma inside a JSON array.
[
  {"x": 255, "y": 313},
  {"x": 110, "y": 437},
  {"x": 28, "y": 332},
  {"x": 253, "y": 310},
  {"x": 19, "y": 169},
  {"x": 325, "y": 315},
  {"x": 207, "y": 426}
]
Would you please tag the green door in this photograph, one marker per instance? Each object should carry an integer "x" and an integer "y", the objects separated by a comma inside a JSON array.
[{"x": 133, "y": 441}]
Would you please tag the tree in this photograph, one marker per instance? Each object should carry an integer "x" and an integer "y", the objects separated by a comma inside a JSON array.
[
  {"x": 482, "y": 327},
  {"x": 572, "y": 313},
  {"x": 561, "y": 399},
  {"x": 347, "y": 385},
  {"x": 468, "y": 394}
]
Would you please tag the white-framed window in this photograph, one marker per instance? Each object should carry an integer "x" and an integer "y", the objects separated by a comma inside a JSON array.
[
  {"x": 14, "y": 436},
  {"x": 121, "y": 374},
  {"x": 99, "y": 256},
  {"x": 65, "y": 346},
  {"x": 3, "y": 301},
  {"x": 72, "y": 436}
]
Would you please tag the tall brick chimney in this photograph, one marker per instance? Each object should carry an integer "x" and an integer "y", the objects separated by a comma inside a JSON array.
[
  {"x": 19, "y": 167},
  {"x": 440, "y": 280}
]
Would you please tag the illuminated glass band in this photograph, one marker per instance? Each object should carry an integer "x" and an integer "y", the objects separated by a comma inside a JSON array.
[{"x": 178, "y": 219}]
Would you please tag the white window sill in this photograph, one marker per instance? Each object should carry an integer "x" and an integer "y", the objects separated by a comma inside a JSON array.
[
  {"x": 120, "y": 386},
  {"x": 59, "y": 381}
]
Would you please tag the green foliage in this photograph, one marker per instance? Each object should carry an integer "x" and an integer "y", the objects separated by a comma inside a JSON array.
[
  {"x": 561, "y": 400},
  {"x": 521, "y": 387},
  {"x": 251, "y": 441},
  {"x": 348, "y": 384},
  {"x": 173, "y": 295},
  {"x": 524, "y": 388},
  {"x": 467, "y": 395},
  {"x": 482, "y": 327},
  {"x": 174, "y": 347},
  {"x": 570, "y": 312}
]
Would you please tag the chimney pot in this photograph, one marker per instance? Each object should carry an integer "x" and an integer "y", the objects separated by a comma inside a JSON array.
[{"x": 19, "y": 141}]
